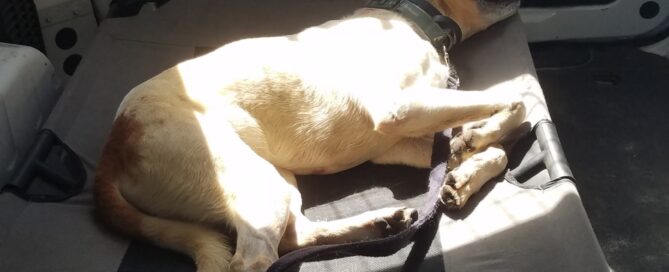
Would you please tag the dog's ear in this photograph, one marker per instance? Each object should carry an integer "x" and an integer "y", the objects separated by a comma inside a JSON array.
[{"x": 476, "y": 15}]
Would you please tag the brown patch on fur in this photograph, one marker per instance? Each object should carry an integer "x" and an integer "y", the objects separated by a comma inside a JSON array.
[{"x": 118, "y": 156}]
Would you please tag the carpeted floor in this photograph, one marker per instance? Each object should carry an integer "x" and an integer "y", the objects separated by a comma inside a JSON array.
[{"x": 611, "y": 106}]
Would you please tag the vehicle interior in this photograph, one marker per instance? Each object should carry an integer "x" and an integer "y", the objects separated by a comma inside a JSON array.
[{"x": 593, "y": 195}]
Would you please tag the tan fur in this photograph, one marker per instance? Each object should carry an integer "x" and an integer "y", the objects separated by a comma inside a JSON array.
[{"x": 215, "y": 142}]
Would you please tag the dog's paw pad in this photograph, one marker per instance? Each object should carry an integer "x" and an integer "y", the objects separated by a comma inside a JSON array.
[
  {"x": 450, "y": 197},
  {"x": 403, "y": 218},
  {"x": 397, "y": 221},
  {"x": 458, "y": 145},
  {"x": 465, "y": 143}
]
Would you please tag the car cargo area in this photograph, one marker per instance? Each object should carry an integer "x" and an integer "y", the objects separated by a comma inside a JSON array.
[{"x": 606, "y": 98}]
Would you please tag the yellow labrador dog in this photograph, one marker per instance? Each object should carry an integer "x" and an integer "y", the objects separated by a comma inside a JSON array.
[{"x": 215, "y": 142}]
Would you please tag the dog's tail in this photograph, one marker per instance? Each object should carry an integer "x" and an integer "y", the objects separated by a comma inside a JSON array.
[{"x": 208, "y": 248}]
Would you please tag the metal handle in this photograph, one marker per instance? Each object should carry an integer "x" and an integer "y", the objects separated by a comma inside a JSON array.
[{"x": 554, "y": 158}]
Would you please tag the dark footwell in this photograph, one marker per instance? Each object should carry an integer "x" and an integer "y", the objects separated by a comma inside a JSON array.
[{"x": 611, "y": 107}]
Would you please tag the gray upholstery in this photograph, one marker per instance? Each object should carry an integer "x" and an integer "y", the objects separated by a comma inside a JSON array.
[{"x": 503, "y": 228}]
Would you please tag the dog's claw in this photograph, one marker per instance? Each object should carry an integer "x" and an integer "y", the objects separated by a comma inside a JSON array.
[
  {"x": 449, "y": 194},
  {"x": 462, "y": 142},
  {"x": 458, "y": 145},
  {"x": 449, "y": 179},
  {"x": 450, "y": 198},
  {"x": 462, "y": 146}
]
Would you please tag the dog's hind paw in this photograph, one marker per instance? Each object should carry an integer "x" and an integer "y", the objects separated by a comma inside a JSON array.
[{"x": 396, "y": 221}]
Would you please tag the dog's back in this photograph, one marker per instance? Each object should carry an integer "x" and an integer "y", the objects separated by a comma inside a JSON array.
[{"x": 302, "y": 104}]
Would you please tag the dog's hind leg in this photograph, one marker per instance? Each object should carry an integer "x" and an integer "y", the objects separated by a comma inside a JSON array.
[
  {"x": 302, "y": 232},
  {"x": 255, "y": 193},
  {"x": 266, "y": 213},
  {"x": 259, "y": 203}
]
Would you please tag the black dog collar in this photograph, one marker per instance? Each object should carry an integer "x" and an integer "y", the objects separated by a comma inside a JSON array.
[{"x": 440, "y": 30}]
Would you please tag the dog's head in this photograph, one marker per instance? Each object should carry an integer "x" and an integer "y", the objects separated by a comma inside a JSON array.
[{"x": 476, "y": 15}]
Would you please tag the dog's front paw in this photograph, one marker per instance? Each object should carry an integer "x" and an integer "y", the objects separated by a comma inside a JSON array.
[
  {"x": 395, "y": 221},
  {"x": 451, "y": 196},
  {"x": 463, "y": 145}
]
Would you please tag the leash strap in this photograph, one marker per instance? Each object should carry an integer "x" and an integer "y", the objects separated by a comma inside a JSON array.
[{"x": 421, "y": 232}]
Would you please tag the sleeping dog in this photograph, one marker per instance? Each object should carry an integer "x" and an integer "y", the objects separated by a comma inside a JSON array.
[{"x": 215, "y": 142}]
